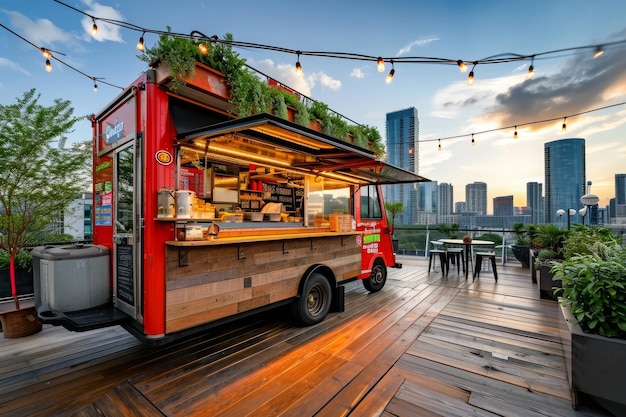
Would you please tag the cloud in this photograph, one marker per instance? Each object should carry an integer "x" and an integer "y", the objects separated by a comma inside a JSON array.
[
  {"x": 327, "y": 81},
  {"x": 12, "y": 65},
  {"x": 357, "y": 73},
  {"x": 286, "y": 75},
  {"x": 581, "y": 84},
  {"x": 106, "y": 31},
  {"x": 418, "y": 43},
  {"x": 41, "y": 32}
]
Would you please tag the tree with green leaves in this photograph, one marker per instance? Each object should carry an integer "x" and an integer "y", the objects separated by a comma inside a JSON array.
[
  {"x": 393, "y": 209},
  {"x": 39, "y": 175}
]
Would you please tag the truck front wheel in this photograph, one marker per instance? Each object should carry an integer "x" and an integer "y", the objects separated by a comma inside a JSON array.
[
  {"x": 314, "y": 304},
  {"x": 376, "y": 281}
]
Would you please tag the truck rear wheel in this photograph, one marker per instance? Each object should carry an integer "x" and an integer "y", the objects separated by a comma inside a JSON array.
[
  {"x": 314, "y": 304},
  {"x": 376, "y": 281}
]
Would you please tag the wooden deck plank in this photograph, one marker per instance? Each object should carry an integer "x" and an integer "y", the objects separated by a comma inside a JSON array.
[{"x": 423, "y": 346}]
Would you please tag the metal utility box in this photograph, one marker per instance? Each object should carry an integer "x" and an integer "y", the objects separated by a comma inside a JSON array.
[{"x": 71, "y": 277}]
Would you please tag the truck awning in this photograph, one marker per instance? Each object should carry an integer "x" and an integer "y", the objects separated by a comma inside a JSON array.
[{"x": 265, "y": 139}]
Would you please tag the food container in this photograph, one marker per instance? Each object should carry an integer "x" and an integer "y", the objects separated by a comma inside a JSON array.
[
  {"x": 256, "y": 216},
  {"x": 184, "y": 204},
  {"x": 193, "y": 232},
  {"x": 166, "y": 206}
]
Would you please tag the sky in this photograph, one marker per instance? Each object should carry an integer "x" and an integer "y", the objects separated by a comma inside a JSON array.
[{"x": 564, "y": 84}]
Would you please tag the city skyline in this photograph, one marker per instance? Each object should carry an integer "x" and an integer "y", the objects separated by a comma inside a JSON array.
[{"x": 502, "y": 100}]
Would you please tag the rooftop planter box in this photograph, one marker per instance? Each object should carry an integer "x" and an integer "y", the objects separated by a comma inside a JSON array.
[{"x": 596, "y": 365}]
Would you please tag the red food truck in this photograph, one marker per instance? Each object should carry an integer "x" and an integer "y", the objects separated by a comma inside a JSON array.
[{"x": 206, "y": 218}]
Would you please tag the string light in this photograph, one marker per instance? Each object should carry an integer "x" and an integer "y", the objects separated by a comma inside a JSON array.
[
  {"x": 439, "y": 147},
  {"x": 203, "y": 49},
  {"x": 515, "y": 133},
  {"x": 46, "y": 53},
  {"x": 473, "y": 141},
  {"x": 380, "y": 64},
  {"x": 470, "y": 78},
  {"x": 564, "y": 127},
  {"x": 94, "y": 28},
  {"x": 531, "y": 69},
  {"x": 462, "y": 66},
  {"x": 95, "y": 86},
  {"x": 298, "y": 66},
  {"x": 48, "y": 66},
  {"x": 140, "y": 44},
  {"x": 599, "y": 52},
  {"x": 391, "y": 73}
]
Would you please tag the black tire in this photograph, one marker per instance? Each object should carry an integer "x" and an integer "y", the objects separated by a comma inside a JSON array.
[
  {"x": 314, "y": 304},
  {"x": 376, "y": 281}
]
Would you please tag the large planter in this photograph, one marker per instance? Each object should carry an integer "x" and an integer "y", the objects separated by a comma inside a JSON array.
[
  {"x": 19, "y": 323},
  {"x": 522, "y": 254},
  {"x": 23, "y": 281},
  {"x": 546, "y": 282},
  {"x": 596, "y": 365}
]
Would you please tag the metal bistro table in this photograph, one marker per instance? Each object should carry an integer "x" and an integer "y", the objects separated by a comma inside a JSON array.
[{"x": 467, "y": 247}]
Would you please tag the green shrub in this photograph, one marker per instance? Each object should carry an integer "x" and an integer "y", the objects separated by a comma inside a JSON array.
[{"x": 594, "y": 287}]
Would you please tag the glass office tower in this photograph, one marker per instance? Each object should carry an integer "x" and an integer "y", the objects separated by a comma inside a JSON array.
[
  {"x": 402, "y": 151},
  {"x": 564, "y": 162}
]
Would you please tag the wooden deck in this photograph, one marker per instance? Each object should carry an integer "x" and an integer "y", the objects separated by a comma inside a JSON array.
[{"x": 423, "y": 346}]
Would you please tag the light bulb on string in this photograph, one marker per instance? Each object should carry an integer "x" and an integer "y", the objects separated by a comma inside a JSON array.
[
  {"x": 462, "y": 66},
  {"x": 48, "y": 66},
  {"x": 95, "y": 87},
  {"x": 439, "y": 147},
  {"x": 298, "y": 66},
  {"x": 598, "y": 52},
  {"x": 390, "y": 75},
  {"x": 380, "y": 64},
  {"x": 140, "y": 44},
  {"x": 46, "y": 53},
  {"x": 564, "y": 126},
  {"x": 94, "y": 28},
  {"x": 473, "y": 141},
  {"x": 515, "y": 133},
  {"x": 203, "y": 49},
  {"x": 470, "y": 78},
  {"x": 531, "y": 69}
]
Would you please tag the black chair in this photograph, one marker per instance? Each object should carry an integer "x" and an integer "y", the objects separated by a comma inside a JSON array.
[
  {"x": 456, "y": 256},
  {"x": 478, "y": 264},
  {"x": 443, "y": 260}
]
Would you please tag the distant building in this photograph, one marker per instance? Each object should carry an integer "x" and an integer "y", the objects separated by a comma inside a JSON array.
[
  {"x": 534, "y": 202},
  {"x": 565, "y": 177},
  {"x": 503, "y": 206},
  {"x": 402, "y": 129},
  {"x": 428, "y": 202},
  {"x": 476, "y": 198},
  {"x": 460, "y": 207},
  {"x": 618, "y": 210}
]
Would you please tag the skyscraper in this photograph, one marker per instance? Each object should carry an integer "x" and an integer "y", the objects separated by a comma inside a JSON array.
[
  {"x": 503, "y": 206},
  {"x": 402, "y": 150},
  {"x": 446, "y": 199},
  {"x": 565, "y": 172},
  {"x": 619, "y": 208},
  {"x": 476, "y": 198},
  {"x": 534, "y": 202}
]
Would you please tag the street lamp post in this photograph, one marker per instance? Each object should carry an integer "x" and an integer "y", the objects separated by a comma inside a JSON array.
[
  {"x": 570, "y": 212},
  {"x": 589, "y": 200},
  {"x": 582, "y": 212},
  {"x": 560, "y": 213}
]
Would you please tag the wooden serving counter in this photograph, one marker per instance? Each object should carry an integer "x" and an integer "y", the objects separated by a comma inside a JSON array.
[
  {"x": 251, "y": 267},
  {"x": 257, "y": 234}
]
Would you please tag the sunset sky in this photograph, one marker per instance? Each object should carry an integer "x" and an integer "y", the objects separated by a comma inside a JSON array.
[{"x": 564, "y": 84}]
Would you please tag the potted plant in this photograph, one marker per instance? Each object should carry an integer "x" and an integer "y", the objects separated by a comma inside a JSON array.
[
  {"x": 547, "y": 241},
  {"x": 248, "y": 93},
  {"x": 593, "y": 321},
  {"x": 521, "y": 248},
  {"x": 39, "y": 178}
]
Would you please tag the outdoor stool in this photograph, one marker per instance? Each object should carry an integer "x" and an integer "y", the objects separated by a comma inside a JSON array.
[
  {"x": 456, "y": 255},
  {"x": 443, "y": 259},
  {"x": 479, "y": 258}
]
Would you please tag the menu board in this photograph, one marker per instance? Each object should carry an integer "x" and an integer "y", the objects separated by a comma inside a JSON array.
[
  {"x": 125, "y": 288},
  {"x": 290, "y": 197}
]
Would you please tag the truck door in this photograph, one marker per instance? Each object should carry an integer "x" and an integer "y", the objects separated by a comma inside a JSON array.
[{"x": 126, "y": 232}]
